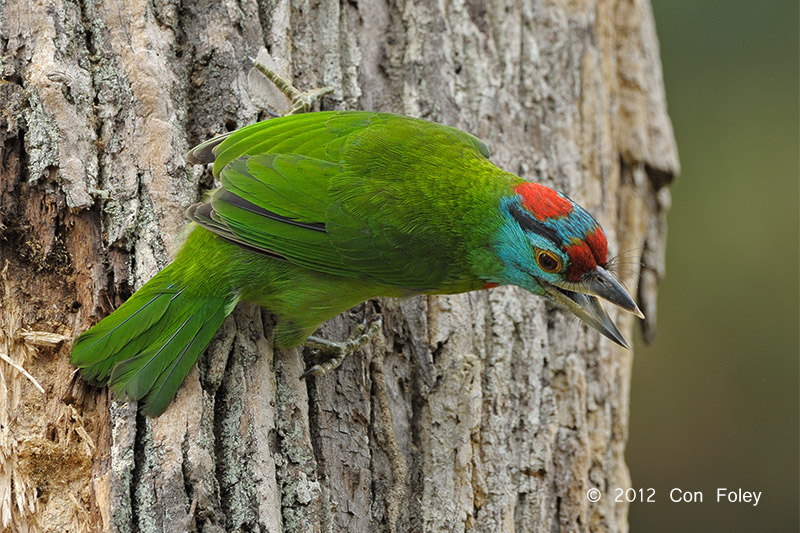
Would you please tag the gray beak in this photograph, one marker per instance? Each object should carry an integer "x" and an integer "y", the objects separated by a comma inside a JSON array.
[{"x": 581, "y": 298}]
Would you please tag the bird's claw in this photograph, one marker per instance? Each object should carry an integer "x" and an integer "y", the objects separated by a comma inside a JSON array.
[
  {"x": 301, "y": 101},
  {"x": 338, "y": 351}
]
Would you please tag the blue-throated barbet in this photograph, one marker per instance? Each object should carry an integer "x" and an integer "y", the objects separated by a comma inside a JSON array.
[{"x": 318, "y": 212}]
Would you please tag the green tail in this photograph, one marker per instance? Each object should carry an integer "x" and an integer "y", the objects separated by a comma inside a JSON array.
[{"x": 146, "y": 347}]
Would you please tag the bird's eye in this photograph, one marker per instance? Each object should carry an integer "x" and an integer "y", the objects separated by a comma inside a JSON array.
[{"x": 548, "y": 261}]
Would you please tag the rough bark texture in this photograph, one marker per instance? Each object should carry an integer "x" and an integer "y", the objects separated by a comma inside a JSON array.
[{"x": 488, "y": 411}]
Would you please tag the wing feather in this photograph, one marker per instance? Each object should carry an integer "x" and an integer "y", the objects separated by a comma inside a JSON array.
[{"x": 345, "y": 193}]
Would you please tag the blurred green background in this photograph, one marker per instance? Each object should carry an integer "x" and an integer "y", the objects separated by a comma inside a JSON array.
[{"x": 715, "y": 397}]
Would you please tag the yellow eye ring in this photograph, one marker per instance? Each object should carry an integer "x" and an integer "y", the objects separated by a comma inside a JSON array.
[{"x": 548, "y": 261}]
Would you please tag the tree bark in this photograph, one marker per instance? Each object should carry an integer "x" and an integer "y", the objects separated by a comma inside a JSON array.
[{"x": 488, "y": 411}]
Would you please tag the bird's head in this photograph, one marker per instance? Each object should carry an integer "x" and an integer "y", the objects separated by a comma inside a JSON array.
[{"x": 551, "y": 246}]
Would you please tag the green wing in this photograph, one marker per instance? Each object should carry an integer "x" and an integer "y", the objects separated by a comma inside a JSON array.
[{"x": 345, "y": 193}]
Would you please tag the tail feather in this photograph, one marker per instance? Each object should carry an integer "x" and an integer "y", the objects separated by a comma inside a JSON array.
[
  {"x": 145, "y": 349},
  {"x": 156, "y": 373},
  {"x": 97, "y": 350},
  {"x": 168, "y": 382}
]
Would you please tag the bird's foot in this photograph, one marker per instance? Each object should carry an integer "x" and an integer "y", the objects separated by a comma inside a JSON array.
[
  {"x": 338, "y": 351},
  {"x": 301, "y": 101}
]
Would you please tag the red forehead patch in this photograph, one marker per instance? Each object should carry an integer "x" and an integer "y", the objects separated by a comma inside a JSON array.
[
  {"x": 581, "y": 260},
  {"x": 543, "y": 202},
  {"x": 597, "y": 242},
  {"x": 584, "y": 256}
]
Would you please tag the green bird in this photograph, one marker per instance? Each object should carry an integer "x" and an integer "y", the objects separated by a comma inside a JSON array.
[{"x": 318, "y": 212}]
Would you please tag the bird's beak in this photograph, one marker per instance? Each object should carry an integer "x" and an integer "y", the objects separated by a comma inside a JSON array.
[{"x": 582, "y": 299}]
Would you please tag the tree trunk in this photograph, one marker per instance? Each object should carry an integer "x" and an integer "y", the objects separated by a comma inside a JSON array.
[{"x": 489, "y": 411}]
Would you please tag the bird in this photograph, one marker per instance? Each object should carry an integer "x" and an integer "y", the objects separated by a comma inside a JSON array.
[{"x": 320, "y": 211}]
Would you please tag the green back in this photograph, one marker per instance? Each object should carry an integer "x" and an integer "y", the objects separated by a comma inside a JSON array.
[{"x": 350, "y": 193}]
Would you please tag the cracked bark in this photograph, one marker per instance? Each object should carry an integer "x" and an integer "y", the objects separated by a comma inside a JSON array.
[{"x": 504, "y": 410}]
